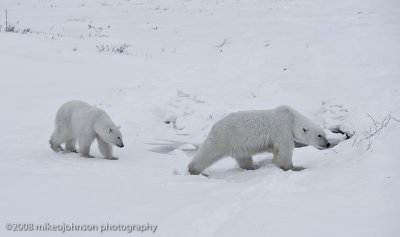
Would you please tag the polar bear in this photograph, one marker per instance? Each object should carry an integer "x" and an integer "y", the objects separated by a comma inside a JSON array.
[
  {"x": 79, "y": 121},
  {"x": 244, "y": 134}
]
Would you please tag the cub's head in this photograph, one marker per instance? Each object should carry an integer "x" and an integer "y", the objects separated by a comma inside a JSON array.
[
  {"x": 113, "y": 136},
  {"x": 313, "y": 137}
]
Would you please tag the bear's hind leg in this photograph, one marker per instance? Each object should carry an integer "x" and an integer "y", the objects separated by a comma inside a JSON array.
[
  {"x": 205, "y": 157},
  {"x": 245, "y": 162},
  {"x": 70, "y": 145},
  {"x": 106, "y": 149}
]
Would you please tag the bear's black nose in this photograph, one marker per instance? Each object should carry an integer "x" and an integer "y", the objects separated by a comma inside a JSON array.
[{"x": 328, "y": 145}]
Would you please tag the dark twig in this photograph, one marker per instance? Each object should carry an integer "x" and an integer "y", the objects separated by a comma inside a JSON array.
[
  {"x": 225, "y": 42},
  {"x": 374, "y": 130}
]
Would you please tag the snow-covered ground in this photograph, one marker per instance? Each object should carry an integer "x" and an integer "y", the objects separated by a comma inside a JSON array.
[{"x": 191, "y": 63}]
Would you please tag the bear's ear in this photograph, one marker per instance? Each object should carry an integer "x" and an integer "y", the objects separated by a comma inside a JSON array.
[
  {"x": 119, "y": 127},
  {"x": 305, "y": 130}
]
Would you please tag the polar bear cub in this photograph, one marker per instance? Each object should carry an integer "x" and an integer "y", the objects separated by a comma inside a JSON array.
[
  {"x": 77, "y": 121},
  {"x": 244, "y": 134}
]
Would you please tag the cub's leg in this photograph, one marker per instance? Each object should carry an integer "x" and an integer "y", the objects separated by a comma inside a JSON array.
[
  {"x": 207, "y": 155},
  {"x": 106, "y": 149},
  {"x": 70, "y": 145},
  {"x": 85, "y": 140},
  {"x": 245, "y": 162}
]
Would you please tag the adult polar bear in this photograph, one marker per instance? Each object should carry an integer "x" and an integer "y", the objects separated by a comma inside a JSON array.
[
  {"x": 79, "y": 121},
  {"x": 244, "y": 134}
]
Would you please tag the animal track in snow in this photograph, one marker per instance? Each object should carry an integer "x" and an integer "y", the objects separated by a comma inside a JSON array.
[
  {"x": 335, "y": 120},
  {"x": 185, "y": 114}
]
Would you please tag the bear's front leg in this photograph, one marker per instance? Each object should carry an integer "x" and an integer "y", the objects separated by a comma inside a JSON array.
[
  {"x": 283, "y": 157},
  {"x": 85, "y": 141},
  {"x": 106, "y": 149},
  {"x": 56, "y": 148}
]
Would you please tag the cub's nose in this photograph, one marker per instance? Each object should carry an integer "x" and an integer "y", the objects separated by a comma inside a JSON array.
[{"x": 328, "y": 145}]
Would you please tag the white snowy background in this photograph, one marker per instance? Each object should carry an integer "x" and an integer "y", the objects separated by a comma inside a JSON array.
[{"x": 191, "y": 62}]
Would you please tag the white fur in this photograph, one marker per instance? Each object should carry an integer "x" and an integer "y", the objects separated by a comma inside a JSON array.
[
  {"x": 77, "y": 121},
  {"x": 243, "y": 134}
]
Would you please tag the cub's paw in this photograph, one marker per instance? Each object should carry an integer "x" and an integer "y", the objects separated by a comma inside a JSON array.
[
  {"x": 55, "y": 148},
  {"x": 111, "y": 158},
  {"x": 87, "y": 156},
  {"x": 69, "y": 151}
]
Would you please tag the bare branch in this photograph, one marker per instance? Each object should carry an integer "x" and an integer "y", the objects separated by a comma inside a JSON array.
[
  {"x": 373, "y": 120},
  {"x": 355, "y": 139},
  {"x": 221, "y": 45},
  {"x": 369, "y": 144},
  {"x": 373, "y": 130}
]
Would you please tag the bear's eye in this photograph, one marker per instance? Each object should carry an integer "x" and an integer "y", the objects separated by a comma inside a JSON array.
[
  {"x": 319, "y": 136},
  {"x": 118, "y": 137}
]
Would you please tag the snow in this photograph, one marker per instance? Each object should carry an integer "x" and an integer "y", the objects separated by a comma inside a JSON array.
[{"x": 191, "y": 63}]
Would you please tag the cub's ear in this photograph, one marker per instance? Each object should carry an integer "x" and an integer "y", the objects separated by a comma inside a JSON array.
[
  {"x": 305, "y": 130},
  {"x": 110, "y": 130},
  {"x": 119, "y": 127}
]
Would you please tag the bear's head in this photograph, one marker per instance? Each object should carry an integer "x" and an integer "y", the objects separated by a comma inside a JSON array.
[
  {"x": 113, "y": 136},
  {"x": 315, "y": 137}
]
